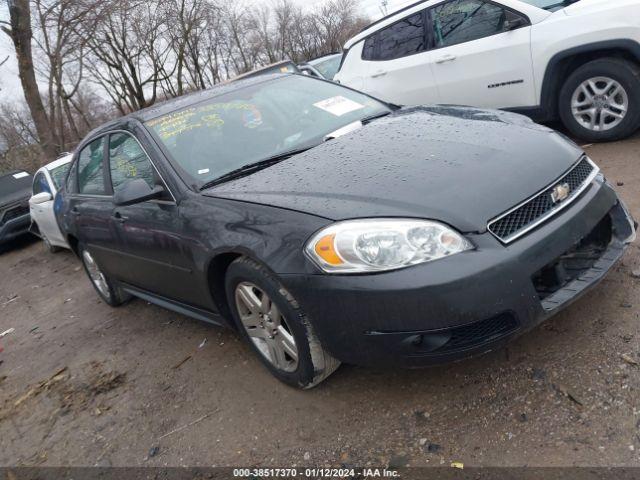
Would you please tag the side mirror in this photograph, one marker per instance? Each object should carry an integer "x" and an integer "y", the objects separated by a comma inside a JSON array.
[
  {"x": 137, "y": 191},
  {"x": 514, "y": 21},
  {"x": 41, "y": 197}
]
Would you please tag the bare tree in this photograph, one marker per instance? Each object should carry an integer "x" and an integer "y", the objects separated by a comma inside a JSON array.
[{"x": 19, "y": 29}]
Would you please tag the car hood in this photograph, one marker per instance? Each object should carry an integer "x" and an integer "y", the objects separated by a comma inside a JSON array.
[
  {"x": 459, "y": 165},
  {"x": 13, "y": 191}
]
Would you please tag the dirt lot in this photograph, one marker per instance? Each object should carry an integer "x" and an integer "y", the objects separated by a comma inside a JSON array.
[{"x": 84, "y": 384}]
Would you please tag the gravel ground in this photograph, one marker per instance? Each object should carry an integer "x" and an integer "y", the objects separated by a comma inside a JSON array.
[{"x": 84, "y": 384}]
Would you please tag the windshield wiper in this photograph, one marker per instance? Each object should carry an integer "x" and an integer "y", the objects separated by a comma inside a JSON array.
[
  {"x": 375, "y": 116},
  {"x": 254, "y": 167}
]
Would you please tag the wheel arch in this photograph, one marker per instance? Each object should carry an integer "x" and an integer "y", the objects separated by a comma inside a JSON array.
[
  {"x": 216, "y": 274},
  {"x": 566, "y": 62},
  {"x": 73, "y": 243}
]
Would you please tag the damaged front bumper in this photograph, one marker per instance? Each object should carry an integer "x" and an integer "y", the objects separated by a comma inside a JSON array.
[{"x": 473, "y": 302}]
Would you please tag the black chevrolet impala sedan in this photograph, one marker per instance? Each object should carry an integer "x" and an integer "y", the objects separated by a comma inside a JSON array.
[{"x": 326, "y": 226}]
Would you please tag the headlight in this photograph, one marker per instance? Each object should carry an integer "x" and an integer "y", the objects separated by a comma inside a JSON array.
[{"x": 386, "y": 244}]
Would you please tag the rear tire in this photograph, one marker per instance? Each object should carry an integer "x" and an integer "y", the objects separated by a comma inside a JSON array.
[
  {"x": 600, "y": 101},
  {"x": 273, "y": 324},
  {"x": 106, "y": 288}
]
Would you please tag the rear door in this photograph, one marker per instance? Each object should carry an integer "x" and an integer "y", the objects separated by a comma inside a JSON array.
[
  {"x": 479, "y": 61},
  {"x": 400, "y": 67}
]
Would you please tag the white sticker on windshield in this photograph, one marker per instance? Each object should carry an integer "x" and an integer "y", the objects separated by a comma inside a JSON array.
[
  {"x": 338, "y": 106},
  {"x": 20, "y": 175},
  {"x": 203, "y": 171}
]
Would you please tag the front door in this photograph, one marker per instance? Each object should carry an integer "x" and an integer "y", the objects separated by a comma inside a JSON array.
[
  {"x": 158, "y": 254},
  {"x": 479, "y": 59},
  {"x": 42, "y": 213}
]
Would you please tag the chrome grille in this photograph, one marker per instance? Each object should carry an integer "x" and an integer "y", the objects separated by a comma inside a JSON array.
[{"x": 531, "y": 213}]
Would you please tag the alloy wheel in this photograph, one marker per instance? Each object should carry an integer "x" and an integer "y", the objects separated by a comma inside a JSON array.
[
  {"x": 600, "y": 104},
  {"x": 266, "y": 326},
  {"x": 97, "y": 277}
]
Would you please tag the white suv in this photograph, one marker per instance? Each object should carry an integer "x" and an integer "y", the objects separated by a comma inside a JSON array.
[{"x": 574, "y": 60}]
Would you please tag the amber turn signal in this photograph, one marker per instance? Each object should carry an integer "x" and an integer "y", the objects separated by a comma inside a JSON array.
[{"x": 325, "y": 249}]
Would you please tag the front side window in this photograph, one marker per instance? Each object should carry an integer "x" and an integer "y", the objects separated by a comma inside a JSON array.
[
  {"x": 256, "y": 122},
  {"x": 403, "y": 38},
  {"x": 40, "y": 184},
  {"x": 91, "y": 169},
  {"x": 460, "y": 21},
  {"x": 128, "y": 161}
]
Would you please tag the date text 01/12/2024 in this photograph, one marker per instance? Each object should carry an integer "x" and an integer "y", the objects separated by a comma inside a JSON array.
[{"x": 314, "y": 473}]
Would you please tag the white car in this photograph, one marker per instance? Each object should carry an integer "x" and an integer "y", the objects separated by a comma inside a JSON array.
[
  {"x": 578, "y": 61},
  {"x": 46, "y": 183}
]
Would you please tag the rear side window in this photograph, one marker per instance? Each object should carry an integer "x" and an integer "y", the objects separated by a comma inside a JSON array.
[
  {"x": 128, "y": 161},
  {"x": 403, "y": 38},
  {"x": 460, "y": 21},
  {"x": 40, "y": 184},
  {"x": 91, "y": 169}
]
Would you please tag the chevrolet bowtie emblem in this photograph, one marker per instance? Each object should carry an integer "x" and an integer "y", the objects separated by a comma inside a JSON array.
[{"x": 560, "y": 192}]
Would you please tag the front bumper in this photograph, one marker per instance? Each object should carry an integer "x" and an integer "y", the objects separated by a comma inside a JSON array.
[
  {"x": 14, "y": 228},
  {"x": 466, "y": 304}
]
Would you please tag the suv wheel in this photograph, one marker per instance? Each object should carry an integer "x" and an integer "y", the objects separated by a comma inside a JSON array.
[
  {"x": 275, "y": 326},
  {"x": 600, "y": 101},
  {"x": 106, "y": 288}
]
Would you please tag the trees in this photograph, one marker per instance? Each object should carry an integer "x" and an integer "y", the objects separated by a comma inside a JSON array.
[
  {"x": 86, "y": 60},
  {"x": 19, "y": 29}
]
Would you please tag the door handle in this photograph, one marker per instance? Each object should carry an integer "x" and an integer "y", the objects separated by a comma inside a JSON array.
[
  {"x": 75, "y": 211},
  {"x": 379, "y": 73},
  {"x": 446, "y": 58},
  {"x": 118, "y": 217}
]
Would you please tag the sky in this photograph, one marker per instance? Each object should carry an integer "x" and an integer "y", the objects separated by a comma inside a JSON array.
[{"x": 10, "y": 83}]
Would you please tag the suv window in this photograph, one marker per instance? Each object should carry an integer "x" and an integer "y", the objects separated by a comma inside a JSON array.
[
  {"x": 460, "y": 21},
  {"x": 403, "y": 38},
  {"x": 128, "y": 161},
  {"x": 40, "y": 184},
  {"x": 91, "y": 169}
]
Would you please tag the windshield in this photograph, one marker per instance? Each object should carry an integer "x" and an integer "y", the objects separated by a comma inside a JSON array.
[
  {"x": 550, "y": 4},
  {"x": 58, "y": 175},
  {"x": 225, "y": 133},
  {"x": 328, "y": 68}
]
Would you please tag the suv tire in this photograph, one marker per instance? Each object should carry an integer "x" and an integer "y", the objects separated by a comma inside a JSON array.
[{"x": 600, "y": 101}]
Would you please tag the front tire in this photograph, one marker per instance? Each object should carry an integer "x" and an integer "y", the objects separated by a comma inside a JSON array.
[
  {"x": 106, "y": 288},
  {"x": 50, "y": 248},
  {"x": 600, "y": 101},
  {"x": 273, "y": 324}
]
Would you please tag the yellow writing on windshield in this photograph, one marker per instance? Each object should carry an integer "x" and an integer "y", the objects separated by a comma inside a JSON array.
[{"x": 177, "y": 123}]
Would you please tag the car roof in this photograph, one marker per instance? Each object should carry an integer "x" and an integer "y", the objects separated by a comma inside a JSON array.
[
  {"x": 324, "y": 58},
  {"x": 172, "y": 105},
  {"x": 258, "y": 71},
  {"x": 59, "y": 162},
  {"x": 12, "y": 172}
]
